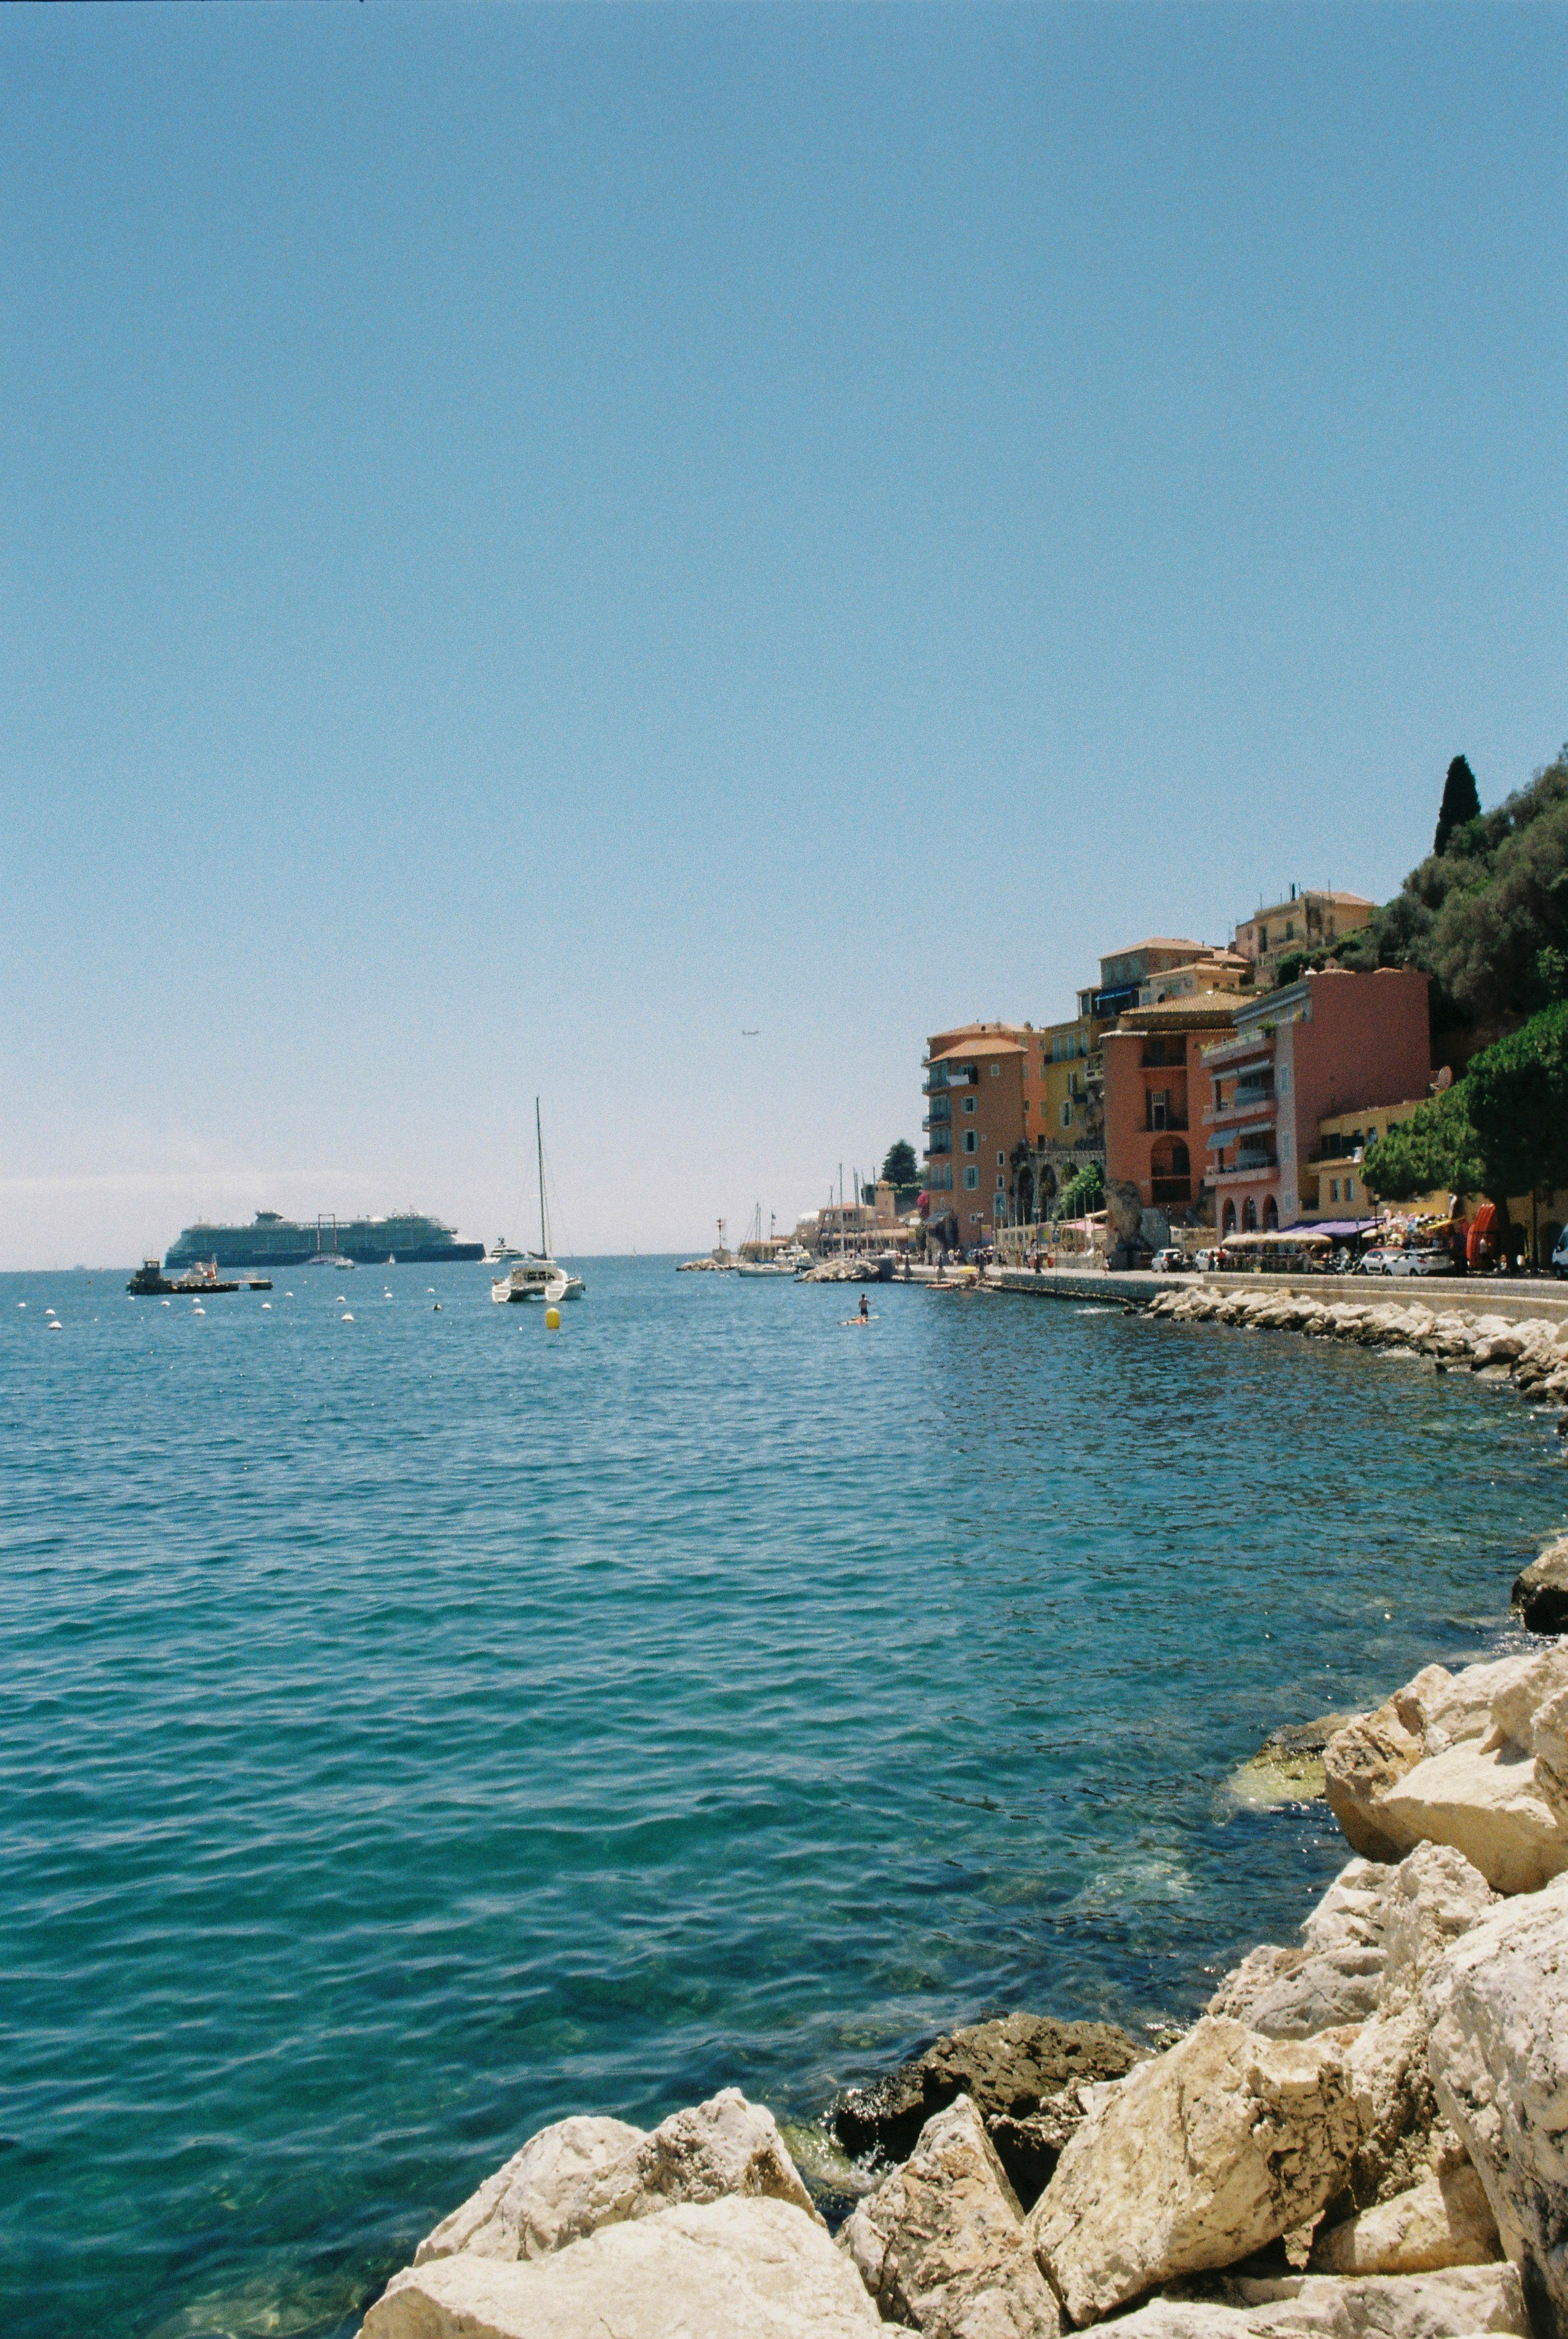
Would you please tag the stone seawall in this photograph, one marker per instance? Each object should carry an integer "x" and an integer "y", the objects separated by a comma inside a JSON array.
[{"x": 1517, "y": 1298}]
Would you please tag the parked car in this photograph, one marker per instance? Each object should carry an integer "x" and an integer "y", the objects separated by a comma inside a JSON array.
[
  {"x": 1419, "y": 1262},
  {"x": 1380, "y": 1261},
  {"x": 1559, "y": 1256},
  {"x": 1207, "y": 1262},
  {"x": 1172, "y": 1261}
]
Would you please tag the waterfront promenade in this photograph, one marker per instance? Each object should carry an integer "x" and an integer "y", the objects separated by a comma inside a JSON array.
[{"x": 1518, "y": 1298}]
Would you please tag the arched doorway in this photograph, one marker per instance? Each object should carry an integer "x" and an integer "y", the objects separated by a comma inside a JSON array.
[
  {"x": 1169, "y": 1172},
  {"x": 1249, "y": 1216},
  {"x": 1270, "y": 1216},
  {"x": 1228, "y": 1224}
]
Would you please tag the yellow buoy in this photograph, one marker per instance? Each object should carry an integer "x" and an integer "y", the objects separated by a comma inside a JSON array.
[{"x": 552, "y": 1319}]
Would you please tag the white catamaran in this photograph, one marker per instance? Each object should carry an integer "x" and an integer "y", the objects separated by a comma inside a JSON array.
[{"x": 538, "y": 1276}]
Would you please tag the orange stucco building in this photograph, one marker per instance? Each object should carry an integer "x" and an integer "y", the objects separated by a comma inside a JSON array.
[
  {"x": 1154, "y": 1090},
  {"x": 974, "y": 1123}
]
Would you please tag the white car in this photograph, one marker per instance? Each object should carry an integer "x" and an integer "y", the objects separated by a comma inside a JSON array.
[
  {"x": 1559, "y": 1256},
  {"x": 1172, "y": 1261},
  {"x": 1419, "y": 1262}
]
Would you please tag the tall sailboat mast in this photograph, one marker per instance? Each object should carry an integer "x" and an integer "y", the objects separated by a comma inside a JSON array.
[{"x": 539, "y": 1148}]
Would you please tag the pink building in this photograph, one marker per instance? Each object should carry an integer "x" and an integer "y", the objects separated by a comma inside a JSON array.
[{"x": 1333, "y": 1042}]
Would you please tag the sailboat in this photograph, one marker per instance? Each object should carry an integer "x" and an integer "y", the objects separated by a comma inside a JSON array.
[
  {"x": 765, "y": 1261},
  {"x": 538, "y": 1276},
  {"x": 324, "y": 1257}
]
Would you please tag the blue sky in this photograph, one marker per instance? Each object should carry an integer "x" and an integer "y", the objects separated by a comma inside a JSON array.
[{"x": 537, "y": 539}]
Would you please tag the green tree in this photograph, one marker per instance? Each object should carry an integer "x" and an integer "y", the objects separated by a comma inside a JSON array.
[
  {"x": 1518, "y": 1101},
  {"x": 1501, "y": 1131},
  {"x": 1084, "y": 1191},
  {"x": 1434, "y": 1150},
  {"x": 900, "y": 1168},
  {"x": 1461, "y": 802}
]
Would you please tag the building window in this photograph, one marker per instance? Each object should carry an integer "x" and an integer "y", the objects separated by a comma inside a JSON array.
[
  {"x": 1283, "y": 1080},
  {"x": 1067, "y": 1112},
  {"x": 969, "y": 1140},
  {"x": 1334, "y": 1190},
  {"x": 968, "y": 1104},
  {"x": 1285, "y": 1145},
  {"x": 1002, "y": 1164},
  {"x": 970, "y": 1177},
  {"x": 1159, "y": 1107},
  {"x": 996, "y": 1072},
  {"x": 1350, "y": 1189}
]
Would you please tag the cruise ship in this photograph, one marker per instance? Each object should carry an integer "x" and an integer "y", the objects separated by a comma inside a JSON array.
[{"x": 270, "y": 1241}]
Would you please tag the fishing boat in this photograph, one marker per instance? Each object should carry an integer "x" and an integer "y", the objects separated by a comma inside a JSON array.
[
  {"x": 537, "y": 1274},
  {"x": 202, "y": 1278}
]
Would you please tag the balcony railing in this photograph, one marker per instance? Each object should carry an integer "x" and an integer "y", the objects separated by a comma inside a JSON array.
[
  {"x": 1176, "y": 1120},
  {"x": 1258, "y": 1104},
  {"x": 940, "y": 1141},
  {"x": 1236, "y": 1050},
  {"x": 939, "y": 1116}
]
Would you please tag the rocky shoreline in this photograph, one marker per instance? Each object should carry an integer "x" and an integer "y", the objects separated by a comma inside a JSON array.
[
  {"x": 1364, "y": 2133},
  {"x": 1532, "y": 1355},
  {"x": 1364, "y": 2136}
]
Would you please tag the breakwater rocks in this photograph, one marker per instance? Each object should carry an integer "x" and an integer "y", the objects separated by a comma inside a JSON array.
[
  {"x": 1533, "y": 1354},
  {"x": 1024, "y": 2075},
  {"x": 1361, "y": 2137}
]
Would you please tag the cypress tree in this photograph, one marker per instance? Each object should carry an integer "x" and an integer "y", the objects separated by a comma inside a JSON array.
[{"x": 1461, "y": 802}]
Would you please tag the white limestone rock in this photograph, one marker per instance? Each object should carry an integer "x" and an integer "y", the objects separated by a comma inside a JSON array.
[
  {"x": 739, "y": 2268},
  {"x": 581, "y": 2174},
  {"x": 724, "y": 2146},
  {"x": 1360, "y": 1763},
  {"x": 1450, "y": 2304},
  {"x": 1446, "y": 2305},
  {"x": 1194, "y": 2161},
  {"x": 940, "y": 2244},
  {"x": 1335, "y": 1976},
  {"x": 1497, "y": 2009},
  {"x": 1488, "y": 1801},
  {"x": 1446, "y": 2220},
  {"x": 1362, "y": 1948},
  {"x": 1429, "y": 1901},
  {"x": 519, "y": 2212},
  {"x": 1402, "y": 2135},
  {"x": 1477, "y": 1758}
]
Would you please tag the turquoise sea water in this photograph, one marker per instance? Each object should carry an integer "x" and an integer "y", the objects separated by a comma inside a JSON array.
[{"x": 417, "y": 1728}]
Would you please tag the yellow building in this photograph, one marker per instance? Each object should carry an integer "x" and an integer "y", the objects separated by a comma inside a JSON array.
[
  {"x": 1337, "y": 1163},
  {"x": 1063, "y": 1112},
  {"x": 1310, "y": 920}
]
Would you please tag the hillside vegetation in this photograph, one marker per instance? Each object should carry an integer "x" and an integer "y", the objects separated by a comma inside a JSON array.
[{"x": 1486, "y": 917}]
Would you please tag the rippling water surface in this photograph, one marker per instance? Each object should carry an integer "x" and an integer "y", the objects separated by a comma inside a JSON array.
[{"x": 418, "y": 1727}]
